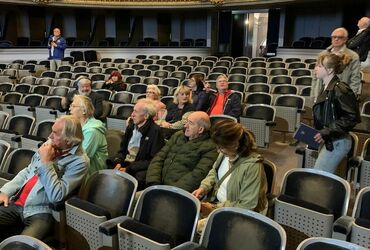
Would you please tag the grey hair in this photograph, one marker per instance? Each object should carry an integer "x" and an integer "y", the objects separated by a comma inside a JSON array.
[
  {"x": 86, "y": 105},
  {"x": 72, "y": 130},
  {"x": 149, "y": 107}
]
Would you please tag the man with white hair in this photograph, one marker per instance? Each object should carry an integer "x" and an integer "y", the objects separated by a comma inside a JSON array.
[
  {"x": 351, "y": 73},
  {"x": 55, "y": 171},
  {"x": 360, "y": 43},
  {"x": 84, "y": 87}
]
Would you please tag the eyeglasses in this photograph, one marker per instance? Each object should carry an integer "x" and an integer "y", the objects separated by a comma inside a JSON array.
[
  {"x": 75, "y": 106},
  {"x": 338, "y": 37}
]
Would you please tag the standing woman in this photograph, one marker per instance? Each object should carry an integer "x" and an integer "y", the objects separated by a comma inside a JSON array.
[
  {"x": 237, "y": 178},
  {"x": 94, "y": 142},
  {"x": 114, "y": 82},
  {"x": 335, "y": 112}
]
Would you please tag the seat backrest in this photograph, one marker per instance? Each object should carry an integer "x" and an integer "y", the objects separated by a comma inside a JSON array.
[
  {"x": 102, "y": 189},
  {"x": 290, "y": 101},
  {"x": 170, "y": 210},
  {"x": 318, "y": 187},
  {"x": 316, "y": 243},
  {"x": 4, "y": 150},
  {"x": 43, "y": 129},
  {"x": 114, "y": 138},
  {"x": 122, "y": 97},
  {"x": 226, "y": 228},
  {"x": 361, "y": 208},
  {"x": 21, "y": 124},
  {"x": 270, "y": 171},
  {"x": 53, "y": 102},
  {"x": 260, "y": 111},
  {"x": 17, "y": 160},
  {"x": 3, "y": 117},
  {"x": 124, "y": 111},
  {"x": 23, "y": 242},
  {"x": 258, "y": 98},
  {"x": 32, "y": 100}
]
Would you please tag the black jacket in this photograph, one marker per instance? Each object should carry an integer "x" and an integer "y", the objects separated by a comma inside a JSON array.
[
  {"x": 336, "y": 111},
  {"x": 96, "y": 99},
  {"x": 116, "y": 86},
  {"x": 151, "y": 142},
  {"x": 232, "y": 104},
  {"x": 360, "y": 43}
]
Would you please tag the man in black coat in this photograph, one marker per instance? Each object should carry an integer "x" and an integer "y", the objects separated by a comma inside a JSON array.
[
  {"x": 142, "y": 140},
  {"x": 84, "y": 87},
  {"x": 360, "y": 43}
]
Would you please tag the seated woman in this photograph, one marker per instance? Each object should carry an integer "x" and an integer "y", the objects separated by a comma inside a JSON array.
[
  {"x": 237, "y": 178},
  {"x": 153, "y": 93},
  {"x": 114, "y": 82},
  {"x": 94, "y": 142},
  {"x": 179, "y": 110},
  {"x": 199, "y": 95}
]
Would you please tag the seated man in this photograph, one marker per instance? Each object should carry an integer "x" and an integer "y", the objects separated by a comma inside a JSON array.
[
  {"x": 224, "y": 101},
  {"x": 55, "y": 171},
  {"x": 84, "y": 88},
  {"x": 142, "y": 140},
  {"x": 187, "y": 157}
]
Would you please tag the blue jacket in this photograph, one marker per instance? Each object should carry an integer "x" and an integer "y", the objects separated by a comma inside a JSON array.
[
  {"x": 55, "y": 180},
  {"x": 59, "y": 50}
]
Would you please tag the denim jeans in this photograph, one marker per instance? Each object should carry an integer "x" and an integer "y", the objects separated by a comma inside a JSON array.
[
  {"x": 12, "y": 223},
  {"x": 329, "y": 160}
]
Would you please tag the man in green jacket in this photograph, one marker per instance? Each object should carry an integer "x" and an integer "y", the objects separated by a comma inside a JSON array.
[{"x": 187, "y": 157}]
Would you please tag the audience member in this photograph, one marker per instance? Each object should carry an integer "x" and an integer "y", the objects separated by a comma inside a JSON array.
[
  {"x": 351, "y": 71},
  {"x": 237, "y": 178},
  {"x": 199, "y": 95},
  {"x": 187, "y": 157},
  {"x": 141, "y": 141},
  {"x": 154, "y": 93},
  {"x": 56, "y": 170},
  {"x": 114, "y": 82},
  {"x": 84, "y": 87},
  {"x": 94, "y": 142},
  {"x": 335, "y": 112},
  {"x": 360, "y": 43},
  {"x": 56, "y": 46},
  {"x": 224, "y": 101},
  {"x": 179, "y": 110}
]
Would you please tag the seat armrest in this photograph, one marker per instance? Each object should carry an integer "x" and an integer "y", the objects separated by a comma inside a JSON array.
[
  {"x": 7, "y": 176},
  {"x": 57, "y": 206},
  {"x": 109, "y": 227},
  {"x": 16, "y": 138},
  {"x": 10, "y": 107},
  {"x": 31, "y": 109},
  {"x": 34, "y": 137},
  {"x": 342, "y": 227},
  {"x": 270, "y": 123},
  {"x": 89, "y": 207},
  {"x": 355, "y": 161},
  {"x": 189, "y": 246},
  {"x": 300, "y": 150}
]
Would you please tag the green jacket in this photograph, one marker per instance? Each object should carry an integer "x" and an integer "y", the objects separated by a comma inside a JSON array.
[
  {"x": 95, "y": 145},
  {"x": 246, "y": 187},
  {"x": 182, "y": 163}
]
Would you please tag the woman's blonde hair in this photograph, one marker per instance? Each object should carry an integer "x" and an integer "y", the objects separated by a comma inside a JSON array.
[
  {"x": 182, "y": 89},
  {"x": 155, "y": 89}
]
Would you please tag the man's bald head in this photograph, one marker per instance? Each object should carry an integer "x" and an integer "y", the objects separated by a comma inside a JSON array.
[
  {"x": 198, "y": 123},
  {"x": 363, "y": 23}
]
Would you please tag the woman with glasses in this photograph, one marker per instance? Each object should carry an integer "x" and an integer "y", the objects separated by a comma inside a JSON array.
[
  {"x": 335, "y": 112},
  {"x": 94, "y": 142},
  {"x": 154, "y": 93},
  {"x": 237, "y": 178}
]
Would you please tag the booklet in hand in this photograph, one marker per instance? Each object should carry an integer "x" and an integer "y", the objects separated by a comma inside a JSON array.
[{"x": 306, "y": 135}]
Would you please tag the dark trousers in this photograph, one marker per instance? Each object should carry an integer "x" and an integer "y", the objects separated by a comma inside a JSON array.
[{"x": 12, "y": 223}]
